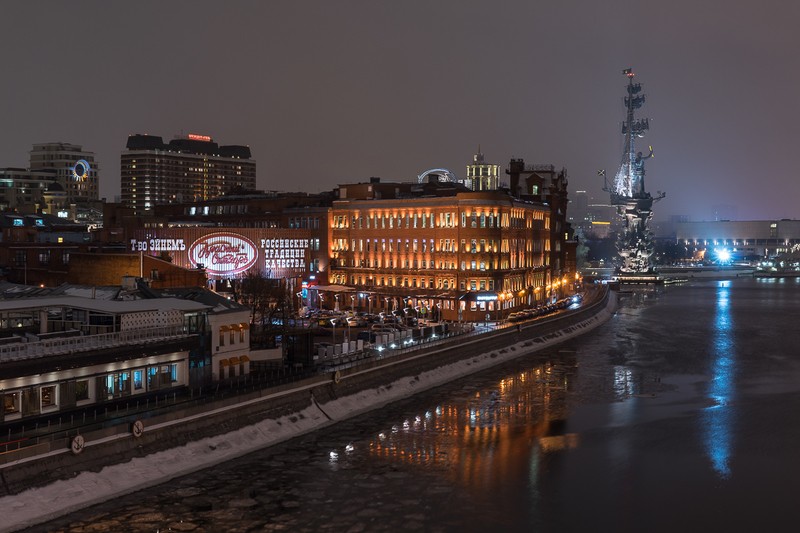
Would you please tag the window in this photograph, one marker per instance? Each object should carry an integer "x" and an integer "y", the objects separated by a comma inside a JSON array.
[
  {"x": 48, "y": 394},
  {"x": 161, "y": 376},
  {"x": 82, "y": 390},
  {"x": 124, "y": 382},
  {"x": 11, "y": 402},
  {"x": 137, "y": 380}
]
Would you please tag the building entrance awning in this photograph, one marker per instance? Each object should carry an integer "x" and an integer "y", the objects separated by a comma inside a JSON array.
[
  {"x": 481, "y": 296},
  {"x": 332, "y": 288}
]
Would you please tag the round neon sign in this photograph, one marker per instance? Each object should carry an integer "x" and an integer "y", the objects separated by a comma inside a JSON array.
[
  {"x": 80, "y": 171},
  {"x": 223, "y": 254}
]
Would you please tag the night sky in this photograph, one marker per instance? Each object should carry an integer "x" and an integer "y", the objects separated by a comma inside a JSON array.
[{"x": 328, "y": 92}]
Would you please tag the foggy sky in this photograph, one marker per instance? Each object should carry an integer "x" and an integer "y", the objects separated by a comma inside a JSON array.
[{"x": 328, "y": 92}]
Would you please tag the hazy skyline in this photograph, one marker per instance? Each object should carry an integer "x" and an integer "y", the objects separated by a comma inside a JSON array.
[{"x": 335, "y": 92}]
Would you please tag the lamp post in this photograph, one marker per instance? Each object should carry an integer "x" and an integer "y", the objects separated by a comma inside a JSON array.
[
  {"x": 333, "y": 323},
  {"x": 500, "y": 298},
  {"x": 353, "y": 303},
  {"x": 369, "y": 303}
]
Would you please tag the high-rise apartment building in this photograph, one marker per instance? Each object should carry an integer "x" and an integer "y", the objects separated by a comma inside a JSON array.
[
  {"x": 74, "y": 169},
  {"x": 187, "y": 169}
]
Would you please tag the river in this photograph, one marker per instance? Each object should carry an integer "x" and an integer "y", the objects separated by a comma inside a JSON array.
[{"x": 676, "y": 415}]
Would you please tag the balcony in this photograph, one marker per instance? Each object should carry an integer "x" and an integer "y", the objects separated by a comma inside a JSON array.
[{"x": 16, "y": 351}]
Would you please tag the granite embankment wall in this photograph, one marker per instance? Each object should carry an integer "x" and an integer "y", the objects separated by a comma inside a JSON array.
[{"x": 268, "y": 416}]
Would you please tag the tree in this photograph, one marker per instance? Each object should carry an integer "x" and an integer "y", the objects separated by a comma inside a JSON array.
[{"x": 269, "y": 302}]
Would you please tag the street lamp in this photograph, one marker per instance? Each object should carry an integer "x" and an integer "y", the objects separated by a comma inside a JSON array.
[
  {"x": 500, "y": 298},
  {"x": 369, "y": 303},
  {"x": 353, "y": 303},
  {"x": 333, "y": 323}
]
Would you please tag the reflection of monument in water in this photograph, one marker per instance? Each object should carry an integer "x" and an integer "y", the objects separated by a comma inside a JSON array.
[{"x": 628, "y": 195}]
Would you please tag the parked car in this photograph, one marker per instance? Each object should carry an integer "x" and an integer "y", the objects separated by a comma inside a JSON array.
[{"x": 356, "y": 321}]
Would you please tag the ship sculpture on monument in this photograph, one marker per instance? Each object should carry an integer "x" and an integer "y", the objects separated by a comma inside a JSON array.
[{"x": 633, "y": 203}]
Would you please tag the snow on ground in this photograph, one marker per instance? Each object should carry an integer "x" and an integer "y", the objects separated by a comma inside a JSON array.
[{"x": 40, "y": 504}]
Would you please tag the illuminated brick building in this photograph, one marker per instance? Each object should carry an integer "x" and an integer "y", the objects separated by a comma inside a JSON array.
[
  {"x": 442, "y": 249},
  {"x": 276, "y": 235},
  {"x": 188, "y": 169},
  {"x": 433, "y": 245}
]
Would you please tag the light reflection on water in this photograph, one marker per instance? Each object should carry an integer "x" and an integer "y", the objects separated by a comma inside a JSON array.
[
  {"x": 470, "y": 435},
  {"x": 718, "y": 417}
]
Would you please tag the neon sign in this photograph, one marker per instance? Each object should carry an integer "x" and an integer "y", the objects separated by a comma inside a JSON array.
[
  {"x": 80, "y": 171},
  {"x": 195, "y": 137},
  {"x": 158, "y": 245},
  {"x": 284, "y": 253},
  {"x": 223, "y": 254}
]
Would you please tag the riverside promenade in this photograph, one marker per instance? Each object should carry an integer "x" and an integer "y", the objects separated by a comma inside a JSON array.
[{"x": 52, "y": 478}]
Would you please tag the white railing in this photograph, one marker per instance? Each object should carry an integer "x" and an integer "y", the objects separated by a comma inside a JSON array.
[{"x": 83, "y": 343}]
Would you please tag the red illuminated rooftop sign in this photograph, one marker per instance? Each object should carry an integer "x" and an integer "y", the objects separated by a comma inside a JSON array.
[{"x": 195, "y": 137}]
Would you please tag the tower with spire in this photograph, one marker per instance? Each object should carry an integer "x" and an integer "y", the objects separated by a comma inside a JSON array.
[
  {"x": 482, "y": 176},
  {"x": 628, "y": 194}
]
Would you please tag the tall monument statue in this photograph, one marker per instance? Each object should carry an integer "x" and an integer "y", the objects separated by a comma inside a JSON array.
[{"x": 633, "y": 203}]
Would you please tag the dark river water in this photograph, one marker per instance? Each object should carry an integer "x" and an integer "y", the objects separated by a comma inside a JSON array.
[{"x": 679, "y": 414}]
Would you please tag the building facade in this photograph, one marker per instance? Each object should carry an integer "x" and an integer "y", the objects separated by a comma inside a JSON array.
[
  {"x": 23, "y": 191},
  {"x": 445, "y": 252},
  {"x": 187, "y": 169},
  {"x": 62, "y": 352},
  {"x": 544, "y": 184},
  {"x": 744, "y": 239},
  {"x": 73, "y": 168},
  {"x": 482, "y": 176}
]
